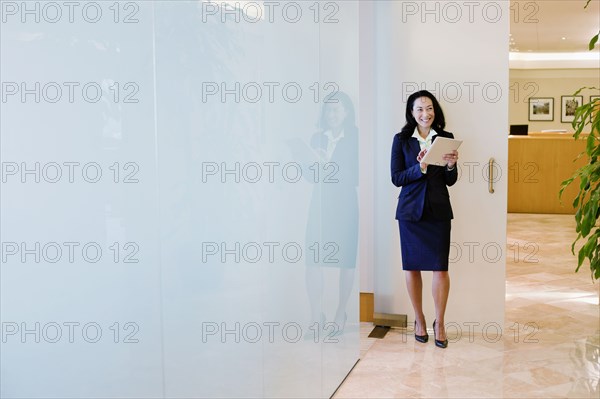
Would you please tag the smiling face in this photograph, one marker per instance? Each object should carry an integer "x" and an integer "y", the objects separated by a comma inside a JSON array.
[
  {"x": 335, "y": 114},
  {"x": 423, "y": 113}
]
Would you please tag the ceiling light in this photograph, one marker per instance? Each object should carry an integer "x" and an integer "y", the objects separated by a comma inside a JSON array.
[
  {"x": 592, "y": 56},
  {"x": 532, "y": 60}
]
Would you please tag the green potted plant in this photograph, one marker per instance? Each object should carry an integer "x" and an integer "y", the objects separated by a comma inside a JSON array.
[{"x": 587, "y": 200}]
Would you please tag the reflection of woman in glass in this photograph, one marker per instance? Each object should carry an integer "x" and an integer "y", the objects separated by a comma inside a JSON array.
[{"x": 332, "y": 228}]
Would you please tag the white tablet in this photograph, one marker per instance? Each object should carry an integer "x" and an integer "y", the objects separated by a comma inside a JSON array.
[{"x": 440, "y": 146}]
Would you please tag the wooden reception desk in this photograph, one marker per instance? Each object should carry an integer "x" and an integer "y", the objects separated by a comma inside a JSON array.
[{"x": 537, "y": 165}]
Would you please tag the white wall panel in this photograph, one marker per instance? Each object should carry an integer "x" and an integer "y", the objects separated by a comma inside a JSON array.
[{"x": 459, "y": 52}]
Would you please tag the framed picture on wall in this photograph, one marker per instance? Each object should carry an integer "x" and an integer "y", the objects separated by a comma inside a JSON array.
[
  {"x": 596, "y": 108},
  {"x": 568, "y": 106},
  {"x": 541, "y": 109}
]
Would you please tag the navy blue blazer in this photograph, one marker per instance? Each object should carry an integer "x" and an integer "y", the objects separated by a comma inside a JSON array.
[{"x": 418, "y": 188}]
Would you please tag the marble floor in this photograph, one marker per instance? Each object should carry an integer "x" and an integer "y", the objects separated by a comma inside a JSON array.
[{"x": 552, "y": 350}]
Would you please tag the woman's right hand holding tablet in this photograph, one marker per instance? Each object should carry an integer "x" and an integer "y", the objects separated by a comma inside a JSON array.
[{"x": 420, "y": 158}]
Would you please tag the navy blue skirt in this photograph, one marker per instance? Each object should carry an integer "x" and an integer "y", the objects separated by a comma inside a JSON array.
[{"x": 425, "y": 245}]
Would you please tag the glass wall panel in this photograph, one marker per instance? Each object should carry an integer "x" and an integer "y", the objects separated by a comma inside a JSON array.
[{"x": 179, "y": 198}]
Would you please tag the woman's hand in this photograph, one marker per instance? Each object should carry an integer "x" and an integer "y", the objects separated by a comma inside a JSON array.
[
  {"x": 451, "y": 158},
  {"x": 420, "y": 157}
]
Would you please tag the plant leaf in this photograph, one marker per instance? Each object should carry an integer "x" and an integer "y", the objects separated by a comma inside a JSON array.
[
  {"x": 586, "y": 222},
  {"x": 580, "y": 257},
  {"x": 593, "y": 43}
]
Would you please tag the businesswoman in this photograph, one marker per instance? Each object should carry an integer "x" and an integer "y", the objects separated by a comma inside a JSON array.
[
  {"x": 424, "y": 211},
  {"x": 332, "y": 226}
]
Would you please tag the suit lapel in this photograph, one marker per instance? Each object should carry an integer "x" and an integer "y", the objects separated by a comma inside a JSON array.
[{"x": 414, "y": 147}]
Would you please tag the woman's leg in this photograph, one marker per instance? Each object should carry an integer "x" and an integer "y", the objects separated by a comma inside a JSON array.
[
  {"x": 314, "y": 289},
  {"x": 414, "y": 283},
  {"x": 440, "y": 289},
  {"x": 346, "y": 282}
]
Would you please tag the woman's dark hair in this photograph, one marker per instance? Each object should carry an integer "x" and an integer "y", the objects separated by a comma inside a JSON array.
[
  {"x": 339, "y": 96},
  {"x": 439, "y": 122}
]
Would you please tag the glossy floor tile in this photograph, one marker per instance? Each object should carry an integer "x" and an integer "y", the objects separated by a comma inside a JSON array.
[{"x": 549, "y": 346}]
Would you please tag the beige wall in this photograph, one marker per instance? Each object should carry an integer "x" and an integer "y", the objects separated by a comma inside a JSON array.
[{"x": 525, "y": 83}]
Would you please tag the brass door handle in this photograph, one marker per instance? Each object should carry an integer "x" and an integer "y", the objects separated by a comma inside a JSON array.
[{"x": 491, "y": 176}]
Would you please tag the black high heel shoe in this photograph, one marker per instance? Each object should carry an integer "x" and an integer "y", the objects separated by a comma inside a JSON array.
[
  {"x": 339, "y": 329},
  {"x": 421, "y": 338},
  {"x": 440, "y": 344}
]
